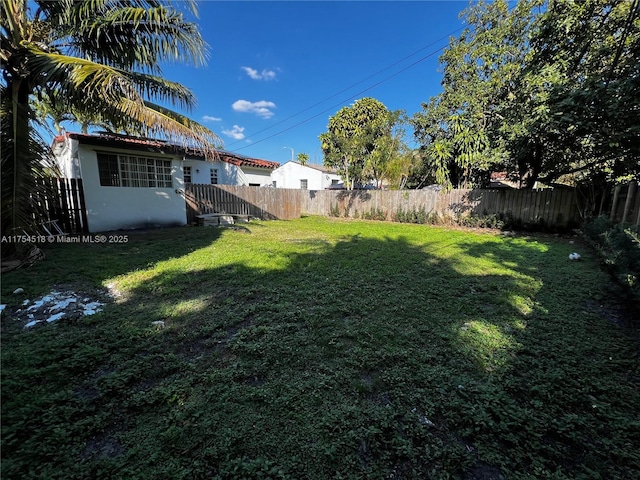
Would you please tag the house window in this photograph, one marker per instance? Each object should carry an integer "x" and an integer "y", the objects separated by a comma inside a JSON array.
[
  {"x": 214, "y": 176},
  {"x": 335, "y": 182},
  {"x": 303, "y": 184},
  {"x": 131, "y": 171},
  {"x": 254, "y": 184},
  {"x": 187, "y": 173},
  {"x": 108, "y": 170}
]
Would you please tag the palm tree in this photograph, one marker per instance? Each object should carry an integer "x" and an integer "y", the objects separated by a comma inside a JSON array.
[
  {"x": 303, "y": 158},
  {"x": 94, "y": 59}
]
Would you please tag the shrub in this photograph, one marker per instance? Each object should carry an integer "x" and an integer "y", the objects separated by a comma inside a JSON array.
[
  {"x": 334, "y": 210},
  {"x": 374, "y": 214},
  {"x": 415, "y": 216},
  {"x": 432, "y": 218},
  {"x": 486, "y": 221},
  {"x": 619, "y": 246}
]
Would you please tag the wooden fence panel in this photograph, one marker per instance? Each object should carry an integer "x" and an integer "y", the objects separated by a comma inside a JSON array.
[
  {"x": 62, "y": 200},
  {"x": 626, "y": 204},
  {"x": 81, "y": 223},
  {"x": 260, "y": 202},
  {"x": 553, "y": 208}
]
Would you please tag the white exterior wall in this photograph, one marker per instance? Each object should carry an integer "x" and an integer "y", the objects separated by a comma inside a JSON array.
[
  {"x": 228, "y": 174},
  {"x": 66, "y": 154},
  {"x": 115, "y": 208},
  {"x": 259, "y": 176},
  {"x": 290, "y": 174}
]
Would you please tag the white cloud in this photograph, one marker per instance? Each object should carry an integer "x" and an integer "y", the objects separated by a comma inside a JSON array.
[
  {"x": 263, "y": 75},
  {"x": 207, "y": 118},
  {"x": 253, "y": 73},
  {"x": 261, "y": 108},
  {"x": 236, "y": 132}
]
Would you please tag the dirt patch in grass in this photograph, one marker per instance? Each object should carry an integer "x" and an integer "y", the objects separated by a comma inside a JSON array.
[{"x": 62, "y": 302}]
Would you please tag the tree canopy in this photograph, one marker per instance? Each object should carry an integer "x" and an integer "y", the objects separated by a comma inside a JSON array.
[
  {"x": 363, "y": 142},
  {"x": 97, "y": 60},
  {"x": 544, "y": 90}
]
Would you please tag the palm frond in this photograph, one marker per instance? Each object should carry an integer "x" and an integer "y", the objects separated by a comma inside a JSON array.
[
  {"x": 157, "y": 121},
  {"x": 11, "y": 21},
  {"x": 157, "y": 88},
  {"x": 118, "y": 97},
  {"x": 102, "y": 83},
  {"x": 134, "y": 36}
]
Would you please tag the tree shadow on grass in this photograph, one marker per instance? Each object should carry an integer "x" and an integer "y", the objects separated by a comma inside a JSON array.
[
  {"x": 366, "y": 358},
  {"x": 90, "y": 264}
]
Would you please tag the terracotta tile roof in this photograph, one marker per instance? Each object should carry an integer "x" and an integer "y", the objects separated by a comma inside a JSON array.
[
  {"x": 243, "y": 161},
  {"x": 161, "y": 146}
]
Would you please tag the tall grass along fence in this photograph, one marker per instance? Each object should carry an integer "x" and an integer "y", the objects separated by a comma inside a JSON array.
[
  {"x": 260, "y": 202},
  {"x": 546, "y": 208},
  {"x": 63, "y": 204}
]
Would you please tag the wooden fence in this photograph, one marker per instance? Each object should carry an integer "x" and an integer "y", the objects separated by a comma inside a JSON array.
[
  {"x": 546, "y": 208},
  {"x": 261, "y": 202},
  {"x": 625, "y": 207},
  {"x": 556, "y": 208},
  {"x": 63, "y": 203}
]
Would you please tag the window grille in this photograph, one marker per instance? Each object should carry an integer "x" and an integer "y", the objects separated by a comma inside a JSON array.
[{"x": 131, "y": 171}]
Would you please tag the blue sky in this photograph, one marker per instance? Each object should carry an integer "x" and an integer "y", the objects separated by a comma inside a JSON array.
[{"x": 278, "y": 70}]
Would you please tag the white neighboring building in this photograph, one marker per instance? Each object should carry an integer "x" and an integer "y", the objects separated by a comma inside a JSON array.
[
  {"x": 306, "y": 177},
  {"x": 231, "y": 169},
  {"x": 133, "y": 182}
]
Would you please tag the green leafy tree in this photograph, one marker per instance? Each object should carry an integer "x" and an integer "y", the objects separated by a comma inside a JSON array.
[
  {"x": 390, "y": 162},
  {"x": 457, "y": 128},
  {"x": 94, "y": 60},
  {"x": 573, "y": 115},
  {"x": 584, "y": 76},
  {"x": 545, "y": 90},
  {"x": 359, "y": 140},
  {"x": 401, "y": 167}
]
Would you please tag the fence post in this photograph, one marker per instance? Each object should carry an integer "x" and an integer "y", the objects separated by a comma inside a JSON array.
[
  {"x": 83, "y": 207},
  {"x": 614, "y": 206},
  {"x": 65, "y": 192},
  {"x": 631, "y": 190}
]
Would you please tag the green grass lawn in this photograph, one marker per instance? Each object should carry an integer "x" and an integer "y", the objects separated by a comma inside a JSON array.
[{"x": 321, "y": 349}]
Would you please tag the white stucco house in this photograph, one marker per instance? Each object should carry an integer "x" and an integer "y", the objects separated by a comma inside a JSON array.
[
  {"x": 134, "y": 182},
  {"x": 307, "y": 177}
]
